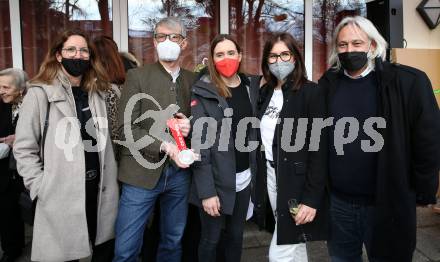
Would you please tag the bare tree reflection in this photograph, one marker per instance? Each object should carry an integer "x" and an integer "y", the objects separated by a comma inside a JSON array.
[
  {"x": 326, "y": 15},
  {"x": 5, "y": 36},
  {"x": 43, "y": 20},
  {"x": 199, "y": 16},
  {"x": 253, "y": 21},
  {"x": 103, "y": 7}
]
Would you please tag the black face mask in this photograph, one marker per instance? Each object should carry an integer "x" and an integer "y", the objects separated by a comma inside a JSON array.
[
  {"x": 75, "y": 67},
  {"x": 353, "y": 61}
]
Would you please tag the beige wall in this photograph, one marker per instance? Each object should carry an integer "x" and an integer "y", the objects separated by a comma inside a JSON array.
[
  {"x": 427, "y": 60},
  {"x": 415, "y": 30}
]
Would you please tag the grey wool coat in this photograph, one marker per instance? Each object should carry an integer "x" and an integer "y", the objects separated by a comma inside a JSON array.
[{"x": 60, "y": 225}]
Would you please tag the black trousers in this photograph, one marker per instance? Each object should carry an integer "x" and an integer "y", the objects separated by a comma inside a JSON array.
[
  {"x": 105, "y": 251},
  {"x": 224, "y": 233},
  {"x": 11, "y": 224},
  {"x": 102, "y": 253},
  {"x": 191, "y": 236}
]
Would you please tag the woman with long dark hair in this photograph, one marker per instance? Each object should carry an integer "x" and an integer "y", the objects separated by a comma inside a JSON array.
[
  {"x": 289, "y": 169},
  {"x": 222, "y": 179},
  {"x": 65, "y": 155},
  {"x": 108, "y": 55}
]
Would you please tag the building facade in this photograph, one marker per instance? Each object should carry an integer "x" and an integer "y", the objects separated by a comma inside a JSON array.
[{"x": 27, "y": 27}]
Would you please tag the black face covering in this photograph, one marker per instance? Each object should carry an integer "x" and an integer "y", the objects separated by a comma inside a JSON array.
[
  {"x": 75, "y": 67},
  {"x": 353, "y": 61}
]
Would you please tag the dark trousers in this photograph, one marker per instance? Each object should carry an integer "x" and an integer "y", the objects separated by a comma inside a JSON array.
[
  {"x": 92, "y": 191},
  {"x": 102, "y": 252},
  {"x": 227, "y": 229},
  {"x": 191, "y": 236},
  {"x": 11, "y": 224},
  {"x": 351, "y": 226}
]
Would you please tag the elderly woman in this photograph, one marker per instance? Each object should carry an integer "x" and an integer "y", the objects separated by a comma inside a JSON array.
[
  {"x": 12, "y": 90},
  {"x": 73, "y": 170}
]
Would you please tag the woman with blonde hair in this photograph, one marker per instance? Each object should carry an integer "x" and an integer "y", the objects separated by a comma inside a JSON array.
[{"x": 65, "y": 155}]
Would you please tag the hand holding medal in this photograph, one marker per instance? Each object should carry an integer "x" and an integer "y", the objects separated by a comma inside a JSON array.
[{"x": 185, "y": 155}]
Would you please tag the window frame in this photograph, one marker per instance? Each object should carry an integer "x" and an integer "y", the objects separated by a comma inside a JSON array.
[{"x": 120, "y": 29}]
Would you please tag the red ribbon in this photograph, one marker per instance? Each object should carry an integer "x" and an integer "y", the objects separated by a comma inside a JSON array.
[{"x": 173, "y": 125}]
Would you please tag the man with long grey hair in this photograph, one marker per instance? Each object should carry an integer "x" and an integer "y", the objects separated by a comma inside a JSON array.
[{"x": 385, "y": 170}]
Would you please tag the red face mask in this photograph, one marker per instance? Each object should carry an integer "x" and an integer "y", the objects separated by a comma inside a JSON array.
[{"x": 227, "y": 67}]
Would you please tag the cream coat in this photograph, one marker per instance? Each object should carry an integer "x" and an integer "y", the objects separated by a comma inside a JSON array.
[{"x": 60, "y": 226}]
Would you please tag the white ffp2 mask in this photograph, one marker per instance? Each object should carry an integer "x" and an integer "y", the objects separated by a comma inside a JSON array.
[{"x": 168, "y": 51}]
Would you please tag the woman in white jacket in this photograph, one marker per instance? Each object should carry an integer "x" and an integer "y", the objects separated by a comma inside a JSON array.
[{"x": 72, "y": 172}]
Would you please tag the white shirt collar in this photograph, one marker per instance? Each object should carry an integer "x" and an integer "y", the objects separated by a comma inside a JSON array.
[
  {"x": 367, "y": 70},
  {"x": 174, "y": 74}
]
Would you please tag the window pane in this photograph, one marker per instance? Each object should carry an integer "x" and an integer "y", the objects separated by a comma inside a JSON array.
[
  {"x": 326, "y": 16},
  {"x": 5, "y": 36},
  {"x": 43, "y": 21},
  {"x": 254, "y": 21},
  {"x": 201, "y": 18}
]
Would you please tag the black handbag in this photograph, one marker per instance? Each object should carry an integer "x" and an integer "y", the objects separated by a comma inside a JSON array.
[{"x": 27, "y": 205}]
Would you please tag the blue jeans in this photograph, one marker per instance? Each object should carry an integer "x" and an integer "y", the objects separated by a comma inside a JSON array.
[
  {"x": 135, "y": 207},
  {"x": 351, "y": 227}
]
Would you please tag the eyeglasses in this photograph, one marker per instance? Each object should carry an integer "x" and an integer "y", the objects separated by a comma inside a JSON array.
[
  {"x": 284, "y": 56},
  {"x": 177, "y": 38},
  {"x": 71, "y": 51}
]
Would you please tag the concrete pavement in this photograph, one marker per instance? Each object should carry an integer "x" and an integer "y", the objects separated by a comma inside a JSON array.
[{"x": 256, "y": 243}]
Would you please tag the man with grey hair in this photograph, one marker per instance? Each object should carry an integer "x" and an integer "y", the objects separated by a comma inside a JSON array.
[
  {"x": 374, "y": 192},
  {"x": 168, "y": 182}
]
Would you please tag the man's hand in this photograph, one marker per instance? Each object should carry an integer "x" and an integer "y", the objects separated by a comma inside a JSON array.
[
  {"x": 172, "y": 151},
  {"x": 212, "y": 206},
  {"x": 184, "y": 124},
  {"x": 305, "y": 215}
]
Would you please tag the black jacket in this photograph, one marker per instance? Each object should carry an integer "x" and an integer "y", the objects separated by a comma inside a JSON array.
[
  {"x": 6, "y": 129},
  {"x": 408, "y": 164},
  {"x": 301, "y": 175},
  {"x": 215, "y": 174}
]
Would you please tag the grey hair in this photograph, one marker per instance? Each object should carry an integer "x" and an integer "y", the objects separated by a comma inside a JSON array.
[
  {"x": 172, "y": 23},
  {"x": 20, "y": 77},
  {"x": 365, "y": 25}
]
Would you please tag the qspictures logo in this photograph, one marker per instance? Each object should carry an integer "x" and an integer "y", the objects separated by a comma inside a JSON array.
[{"x": 207, "y": 134}]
